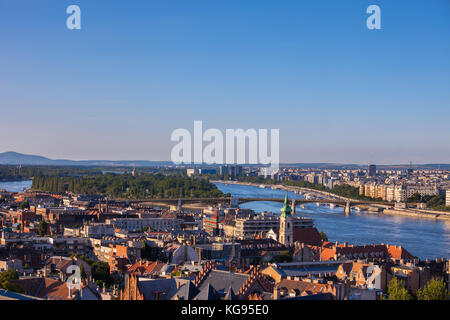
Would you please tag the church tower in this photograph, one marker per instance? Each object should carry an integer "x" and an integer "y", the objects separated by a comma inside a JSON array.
[{"x": 286, "y": 234}]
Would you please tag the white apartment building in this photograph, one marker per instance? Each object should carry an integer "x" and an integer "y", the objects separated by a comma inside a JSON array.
[
  {"x": 136, "y": 224},
  {"x": 422, "y": 190},
  {"x": 447, "y": 198},
  {"x": 248, "y": 228},
  {"x": 97, "y": 230},
  {"x": 390, "y": 194},
  {"x": 400, "y": 194},
  {"x": 396, "y": 193}
]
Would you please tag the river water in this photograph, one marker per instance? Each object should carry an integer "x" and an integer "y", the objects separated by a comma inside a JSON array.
[
  {"x": 15, "y": 186},
  {"x": 422, "y": 238}
]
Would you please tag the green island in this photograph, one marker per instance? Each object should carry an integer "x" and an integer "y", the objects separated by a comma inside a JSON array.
[{"x": 142, "y": 186}]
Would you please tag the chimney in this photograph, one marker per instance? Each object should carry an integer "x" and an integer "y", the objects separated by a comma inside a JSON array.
[{"x": 276, "y": 293}]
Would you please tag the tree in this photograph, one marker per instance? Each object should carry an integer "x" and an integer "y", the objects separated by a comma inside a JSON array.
[
  {"x": 82, "y": 272},
  {"x": 5, "y": 281},
  {"x": 416, "y": 197},
  {"x": 324, "y": 236},
  {"x": 434, "y": 290},
  {"x": 24, "y": 205},
  {"x": 100, "y": 273},
  {"x": 42, "y": 228},
  {"x": 397, "y": 291}
]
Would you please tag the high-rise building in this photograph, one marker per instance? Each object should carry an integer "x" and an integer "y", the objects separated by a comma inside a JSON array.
[
  {"x": 230, "y": 170},
  {"x": 372, "y": 170},
  {"x": 192, "y": 172}
]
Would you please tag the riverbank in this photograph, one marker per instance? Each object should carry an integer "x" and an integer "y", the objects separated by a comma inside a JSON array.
[{"x": 418, "y": 214}]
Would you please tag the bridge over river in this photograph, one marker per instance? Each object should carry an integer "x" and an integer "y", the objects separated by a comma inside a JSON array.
[{"x": 347, "y": 204}]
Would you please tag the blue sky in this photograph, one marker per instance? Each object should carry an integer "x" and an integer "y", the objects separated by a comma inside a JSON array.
[{"x": 137, "y": 70}]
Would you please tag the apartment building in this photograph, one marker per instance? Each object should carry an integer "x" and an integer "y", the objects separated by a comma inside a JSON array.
[
  {"x": 447, "y": 198},
  {"x": 155, "y": 224},
  {"x": 249, "y": 228}
]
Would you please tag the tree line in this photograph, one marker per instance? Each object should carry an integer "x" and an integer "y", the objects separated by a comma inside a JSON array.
[
  {"x": 436, "y": 202},
  {"x": 129, "y": 186},
  {"x": 9, "y": 172},
  {"x": 435, "y": 289}
]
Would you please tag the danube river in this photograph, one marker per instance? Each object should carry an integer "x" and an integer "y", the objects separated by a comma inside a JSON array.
[
  {"x": 423, "y": 238},
  {"x": 15, "y": 186}
]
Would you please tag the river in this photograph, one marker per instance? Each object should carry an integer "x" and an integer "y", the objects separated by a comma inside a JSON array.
[
  {"x": 15, "y": 186},
  {"x": 422, "y": 238}
]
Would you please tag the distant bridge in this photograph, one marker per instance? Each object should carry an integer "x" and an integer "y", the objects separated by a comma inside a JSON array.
[{"x": 173, "y": 201}]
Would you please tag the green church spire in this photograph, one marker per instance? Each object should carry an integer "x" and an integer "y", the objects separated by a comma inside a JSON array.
[{"x": 286, "y": 210}]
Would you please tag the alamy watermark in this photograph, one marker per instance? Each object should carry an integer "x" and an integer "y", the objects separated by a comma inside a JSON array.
[
  {"x": 374, "y": 20},
  {"x": 240, "y": 147},
  {"x": 73, "y": 22},
  {"x": 73, "y": 282}
]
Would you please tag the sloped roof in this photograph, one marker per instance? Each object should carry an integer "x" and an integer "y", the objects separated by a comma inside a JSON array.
[
  {"x": 221, "y": 281},
  {"x": 305, "y": 287},
  {"x": 9, "y": 295},
  {"x": 378, "y": 250},
  {"x": 399, "y": 252},
  {"x": 46, "y": 288},
  {"x": 166, "y": 288},
  {"x": 207, "y": 293},
  {"x": 230, "y": 294},
  {"x": 310, "y": 236},
  {"x": 187, "y": 291}
]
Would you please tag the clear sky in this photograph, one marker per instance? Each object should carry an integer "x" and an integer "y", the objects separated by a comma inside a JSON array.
[{"x": 137, "y": 70}]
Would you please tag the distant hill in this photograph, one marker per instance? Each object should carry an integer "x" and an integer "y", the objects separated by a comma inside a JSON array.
[
  {"x": 19, "y": 158},
  {"x": 15, "y": 158}
]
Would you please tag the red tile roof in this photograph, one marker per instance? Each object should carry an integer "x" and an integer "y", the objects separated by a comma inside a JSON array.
[{"x": 310, "y": 236}]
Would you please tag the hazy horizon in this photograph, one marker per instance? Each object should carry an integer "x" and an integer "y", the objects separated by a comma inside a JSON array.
[
  {"x": 282, "y": 163},
  {"x": 117, "y": 88}
]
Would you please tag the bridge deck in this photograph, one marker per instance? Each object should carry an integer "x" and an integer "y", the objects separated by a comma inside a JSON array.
[{"x": 244, "y": 200}]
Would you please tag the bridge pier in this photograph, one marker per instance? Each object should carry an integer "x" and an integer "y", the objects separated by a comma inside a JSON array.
[
  {"x": 234, "y": 201},
  {"x": 347, "y": 207},
  {"x": 293, "y": 206}
]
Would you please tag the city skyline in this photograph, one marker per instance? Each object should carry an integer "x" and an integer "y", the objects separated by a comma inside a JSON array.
[{"x": 117, "y": 88}]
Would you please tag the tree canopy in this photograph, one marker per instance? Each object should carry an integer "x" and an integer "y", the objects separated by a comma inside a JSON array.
[
  {"x": 397, "y": 291},
  {"x": 435, "y": 289},
  {"x": 129, "y": 186},
  {"x": 5, "y": 281},
  {"x": 42, "y": 228}
]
